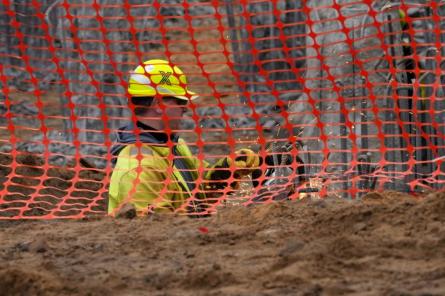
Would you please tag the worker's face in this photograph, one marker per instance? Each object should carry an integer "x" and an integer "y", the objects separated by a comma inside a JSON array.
[{"x": 174, "y": 110}]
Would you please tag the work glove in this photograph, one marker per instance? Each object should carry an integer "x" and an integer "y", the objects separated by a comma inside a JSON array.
[{"x": 245, "y": 162}]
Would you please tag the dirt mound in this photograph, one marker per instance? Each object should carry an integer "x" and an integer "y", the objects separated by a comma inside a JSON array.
[
  {"x": 21, "y": 282},
  {"x": 386, "y": 244},
  {"x": 32, "y": 190}
]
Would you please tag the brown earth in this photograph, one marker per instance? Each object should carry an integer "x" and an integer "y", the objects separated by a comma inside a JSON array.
[
  {"x": 386, "y": 244},
  {"x": 29, "y": 188}
]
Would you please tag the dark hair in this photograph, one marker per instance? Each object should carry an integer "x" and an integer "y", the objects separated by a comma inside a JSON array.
[{"x": 141, "y": 104}]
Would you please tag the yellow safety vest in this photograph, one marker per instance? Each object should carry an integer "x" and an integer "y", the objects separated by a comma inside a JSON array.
[{"x": 146, "y": 177}]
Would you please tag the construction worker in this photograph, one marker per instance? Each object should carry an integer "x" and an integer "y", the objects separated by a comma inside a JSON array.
[{"x": 155, "y": 170}]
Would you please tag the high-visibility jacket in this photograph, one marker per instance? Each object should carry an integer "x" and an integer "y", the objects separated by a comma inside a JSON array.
[{"x": 147, "y": 175}]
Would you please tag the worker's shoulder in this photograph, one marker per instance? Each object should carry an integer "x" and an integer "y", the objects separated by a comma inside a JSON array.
[
  {"x": 142, "y": 155},
  {"x": 133, "y": 150}
]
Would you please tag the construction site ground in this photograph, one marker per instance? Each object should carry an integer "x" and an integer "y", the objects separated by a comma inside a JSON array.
[{"x": 385, "y": 244}]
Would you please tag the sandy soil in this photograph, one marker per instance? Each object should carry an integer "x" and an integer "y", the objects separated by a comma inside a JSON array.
[{"x": 386, "y": 244}]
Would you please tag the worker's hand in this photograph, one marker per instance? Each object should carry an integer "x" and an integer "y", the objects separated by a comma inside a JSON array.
[{"x": 245, "y": 162}]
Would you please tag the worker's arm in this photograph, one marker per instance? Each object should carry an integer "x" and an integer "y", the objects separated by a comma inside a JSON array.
[{"x": 145, "y": 189}]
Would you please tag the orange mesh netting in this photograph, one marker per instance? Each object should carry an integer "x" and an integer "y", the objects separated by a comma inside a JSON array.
[{"x": 337, "y": 97}]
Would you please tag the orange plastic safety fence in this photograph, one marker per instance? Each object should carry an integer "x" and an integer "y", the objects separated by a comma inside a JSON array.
[{"x": 331, "y": 97}]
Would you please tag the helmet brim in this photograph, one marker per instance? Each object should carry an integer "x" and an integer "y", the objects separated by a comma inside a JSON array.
[{"x": 190, "y": 96}]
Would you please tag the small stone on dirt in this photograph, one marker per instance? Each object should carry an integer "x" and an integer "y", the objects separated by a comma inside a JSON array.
[{"x": 127, "y": 211}]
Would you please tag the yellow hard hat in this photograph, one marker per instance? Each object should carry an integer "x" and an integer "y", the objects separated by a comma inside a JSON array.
[{"x": 159, "y": 77}]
